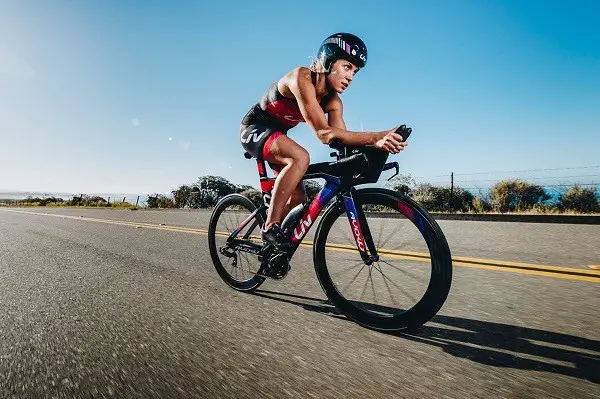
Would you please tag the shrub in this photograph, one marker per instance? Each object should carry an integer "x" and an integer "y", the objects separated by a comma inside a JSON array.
[
  {"x": 160, "y": 201},
  {"x": 86, "y": 200},
  {"x": 436, "y": 198},
  {"x": 41, "y": 201},
  {"x": 404, "y": 184},
  {"x": 480, "y": 205},
  {"x": 579, "y": 199},
  {"x": 516, "y": 195}
]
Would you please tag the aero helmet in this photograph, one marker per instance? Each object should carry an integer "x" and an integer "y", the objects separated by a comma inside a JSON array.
[{"x": 343, "y": 45}]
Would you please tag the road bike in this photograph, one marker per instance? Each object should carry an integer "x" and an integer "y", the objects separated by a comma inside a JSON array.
[{"x": 379, "y": 256}]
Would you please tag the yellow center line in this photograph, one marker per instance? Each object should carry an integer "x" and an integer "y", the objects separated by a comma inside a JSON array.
[{"x": 562, "y": 272}]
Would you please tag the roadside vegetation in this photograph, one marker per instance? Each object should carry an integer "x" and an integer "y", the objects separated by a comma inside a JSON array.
[
  {"x": 506, "y": 196},
  {"x": 79, "y": 201}
]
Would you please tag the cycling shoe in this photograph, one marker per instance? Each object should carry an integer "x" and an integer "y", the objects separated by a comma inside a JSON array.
[{"x": 275, "y": 236}]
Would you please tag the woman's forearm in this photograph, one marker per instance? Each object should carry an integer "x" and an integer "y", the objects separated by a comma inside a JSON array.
[{"x": 348, "y": 137}]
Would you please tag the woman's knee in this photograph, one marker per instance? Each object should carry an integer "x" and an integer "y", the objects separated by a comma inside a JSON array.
[{"x": 302, "y": 158}]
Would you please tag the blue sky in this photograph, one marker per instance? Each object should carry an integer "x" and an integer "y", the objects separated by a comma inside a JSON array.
[{"x": 140, "y": 97}]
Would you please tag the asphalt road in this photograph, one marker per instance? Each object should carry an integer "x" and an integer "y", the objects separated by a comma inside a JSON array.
[{"x": 96, "y": 309}]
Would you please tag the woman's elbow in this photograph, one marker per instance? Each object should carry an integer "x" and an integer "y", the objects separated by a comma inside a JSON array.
[{"x": 325, "y": 135}]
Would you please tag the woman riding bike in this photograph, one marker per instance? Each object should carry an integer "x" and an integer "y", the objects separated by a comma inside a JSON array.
[{"x": 306, "y": 95}]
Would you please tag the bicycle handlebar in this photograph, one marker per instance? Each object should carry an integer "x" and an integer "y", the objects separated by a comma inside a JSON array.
[{"x": 347, "y": 166}]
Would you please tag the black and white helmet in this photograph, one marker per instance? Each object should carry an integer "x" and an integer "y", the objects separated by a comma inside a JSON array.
[{"x": 345, "y": 46}]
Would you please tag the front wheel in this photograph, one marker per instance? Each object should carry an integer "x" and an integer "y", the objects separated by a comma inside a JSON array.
[{"x": 409, "y": 282}]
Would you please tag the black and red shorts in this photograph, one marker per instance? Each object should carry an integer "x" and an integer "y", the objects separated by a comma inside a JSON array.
[
  {"x": 257, "y": 139},
  {"x": 258, "y": 131}
]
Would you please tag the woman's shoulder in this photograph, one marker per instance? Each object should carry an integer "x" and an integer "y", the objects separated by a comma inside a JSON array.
[
  {"x": 297, "y": 74},
  {"x": 293, "y": 78}
]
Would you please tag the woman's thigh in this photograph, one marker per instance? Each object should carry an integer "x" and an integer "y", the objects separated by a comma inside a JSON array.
[{"x": 282, "y": 150}]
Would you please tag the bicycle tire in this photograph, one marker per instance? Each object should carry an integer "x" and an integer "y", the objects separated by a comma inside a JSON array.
[
  {"x": 232, "y": 202},
  {"x": 439, "y": 283}
]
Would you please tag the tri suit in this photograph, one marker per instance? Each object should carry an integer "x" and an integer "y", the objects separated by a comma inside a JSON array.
[{"x": 271, "y": 117}]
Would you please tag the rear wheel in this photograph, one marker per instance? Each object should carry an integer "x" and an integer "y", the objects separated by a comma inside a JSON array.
[
  {"x": 409, "y": 282},
  {"x": 236, "y": 254}
]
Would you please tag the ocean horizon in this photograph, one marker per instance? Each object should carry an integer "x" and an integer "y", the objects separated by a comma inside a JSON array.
[{"x": 129, "y": 197}]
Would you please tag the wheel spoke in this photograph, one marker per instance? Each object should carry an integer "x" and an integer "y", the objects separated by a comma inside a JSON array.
[
  {"x": 386, "y": 278},
  {"x": 404, "y": 271},
  {"x": 372, "y": 285},
  {"x": 379, "y": 235},
  {"x": 249, "y": 270},
  {"x": 228, "y": 223},
  {"x": 355, "y": 276},
  {"x": 362, "y": 294},
  {"x": 378, "y": 268},
  {"x": 393, "y": 234},
  {"x": 348, "y": 269}
]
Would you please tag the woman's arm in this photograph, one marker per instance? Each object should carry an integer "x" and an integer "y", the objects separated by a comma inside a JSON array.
[
  {"x": 301, "y": 86},
  {"x": 335, "y": 111}
]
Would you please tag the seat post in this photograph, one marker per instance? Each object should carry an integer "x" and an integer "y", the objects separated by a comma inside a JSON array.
[{"x": 266, "y": 182}]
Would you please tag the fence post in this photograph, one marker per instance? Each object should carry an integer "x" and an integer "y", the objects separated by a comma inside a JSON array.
[
  {"x": 108, "y": 200},
  {"x": 136, "y": 201},
  {"x": 123, "y": 200}
]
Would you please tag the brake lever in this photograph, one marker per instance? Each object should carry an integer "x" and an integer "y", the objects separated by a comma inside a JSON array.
[{"x": 391, "y": 165}]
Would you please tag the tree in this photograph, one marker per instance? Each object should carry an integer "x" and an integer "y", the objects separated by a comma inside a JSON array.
[
  {"x": 244, "y": 187},
  {"x": 311, "y": 188},
  {"x": 181, "y": 196},
  {"x": 253, "y": 195},
  {"x": 209, "y": 189}
]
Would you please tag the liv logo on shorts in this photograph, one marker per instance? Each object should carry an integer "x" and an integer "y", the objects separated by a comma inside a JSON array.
[{"x": 253, "y": 136}]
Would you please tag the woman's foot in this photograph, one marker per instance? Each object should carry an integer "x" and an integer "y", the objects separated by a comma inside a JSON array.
[{"x": 275, "y": 236}]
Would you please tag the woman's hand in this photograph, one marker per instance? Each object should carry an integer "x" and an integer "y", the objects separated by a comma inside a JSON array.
[{"x": 390, "y": 141}]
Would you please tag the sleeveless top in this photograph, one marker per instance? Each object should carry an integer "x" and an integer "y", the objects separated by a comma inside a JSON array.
[{"x": 277, "y": 111}]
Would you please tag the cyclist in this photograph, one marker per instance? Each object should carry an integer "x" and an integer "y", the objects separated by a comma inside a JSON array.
[{"x": 306, "y": 95}]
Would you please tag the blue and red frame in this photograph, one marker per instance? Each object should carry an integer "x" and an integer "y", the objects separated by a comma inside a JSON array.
[{"x": 333, "y": 187}]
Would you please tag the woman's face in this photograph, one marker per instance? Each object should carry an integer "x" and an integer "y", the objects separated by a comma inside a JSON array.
[{"x": 341, "y": 74}]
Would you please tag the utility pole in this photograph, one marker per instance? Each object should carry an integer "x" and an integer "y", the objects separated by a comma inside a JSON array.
[{"x": 451, "y": 191}]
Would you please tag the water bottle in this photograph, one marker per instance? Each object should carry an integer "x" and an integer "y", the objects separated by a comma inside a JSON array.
[{"x": 292, "y": 219}]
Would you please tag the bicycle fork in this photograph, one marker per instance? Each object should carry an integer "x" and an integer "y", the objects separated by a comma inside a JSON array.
[{"x": 360, "y": 228}]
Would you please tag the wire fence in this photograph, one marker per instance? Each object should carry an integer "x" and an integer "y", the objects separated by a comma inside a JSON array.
[
  {"x": 478, "y": 184},
  {"x": 554, "y": 184}
]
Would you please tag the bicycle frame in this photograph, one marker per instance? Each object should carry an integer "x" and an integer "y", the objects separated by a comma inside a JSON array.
[{"x": 334, "y": 187}]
